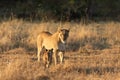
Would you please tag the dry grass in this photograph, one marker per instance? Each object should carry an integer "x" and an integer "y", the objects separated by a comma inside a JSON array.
[
  {"x": 18, "y": 33},
  {"x": 93, "y": 51},
  {"x": 77, "y": 66}
]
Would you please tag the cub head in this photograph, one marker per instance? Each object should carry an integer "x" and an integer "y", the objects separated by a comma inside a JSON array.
[{"x": 47, "y": 57}]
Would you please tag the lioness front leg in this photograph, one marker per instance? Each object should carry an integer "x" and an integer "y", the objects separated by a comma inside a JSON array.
[
  {"x": 61, "y": 54},
  {"x": 55, "y": 56},
  {"x": 38, "y": 54}
]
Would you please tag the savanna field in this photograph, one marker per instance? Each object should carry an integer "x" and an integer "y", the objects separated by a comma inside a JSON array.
[{"x": 93, "y": 51}]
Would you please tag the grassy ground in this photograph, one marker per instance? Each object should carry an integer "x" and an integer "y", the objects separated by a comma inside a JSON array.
[{"x": 93, "y": 51}]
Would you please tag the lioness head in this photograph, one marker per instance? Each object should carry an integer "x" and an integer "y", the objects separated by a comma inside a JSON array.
[
  {"x": 63, "y": 35},
  {"x": 47, "y": 57}
]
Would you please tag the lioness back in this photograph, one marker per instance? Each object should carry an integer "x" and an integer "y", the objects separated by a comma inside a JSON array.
[
  {"x": 44, "y": 34},
  {"x": 45, "y": 39}
]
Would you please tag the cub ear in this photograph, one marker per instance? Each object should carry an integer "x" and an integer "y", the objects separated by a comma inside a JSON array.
[
  {"x": 46, "y": 50},
  {"x": 52, "y": 49}
]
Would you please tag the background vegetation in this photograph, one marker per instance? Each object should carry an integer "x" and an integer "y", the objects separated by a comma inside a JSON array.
[{"x": 65, "y": 10}]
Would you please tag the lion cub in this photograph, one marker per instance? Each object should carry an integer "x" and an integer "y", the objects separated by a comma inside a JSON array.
[{"x": 47, "y": 57}]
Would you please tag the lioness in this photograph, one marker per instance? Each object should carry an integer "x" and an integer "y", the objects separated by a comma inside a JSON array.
[
  {"x": 47, "y": 57},
  {"x": 54, "y": 41}
]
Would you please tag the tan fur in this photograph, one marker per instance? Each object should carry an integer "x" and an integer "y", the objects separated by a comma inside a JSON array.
[
  {"x": 47, "y": 57},
  {"x": 54, "y": 41}
]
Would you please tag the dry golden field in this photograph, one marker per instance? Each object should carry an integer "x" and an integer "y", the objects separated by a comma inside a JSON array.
[{"x": 93, "y": 51}]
